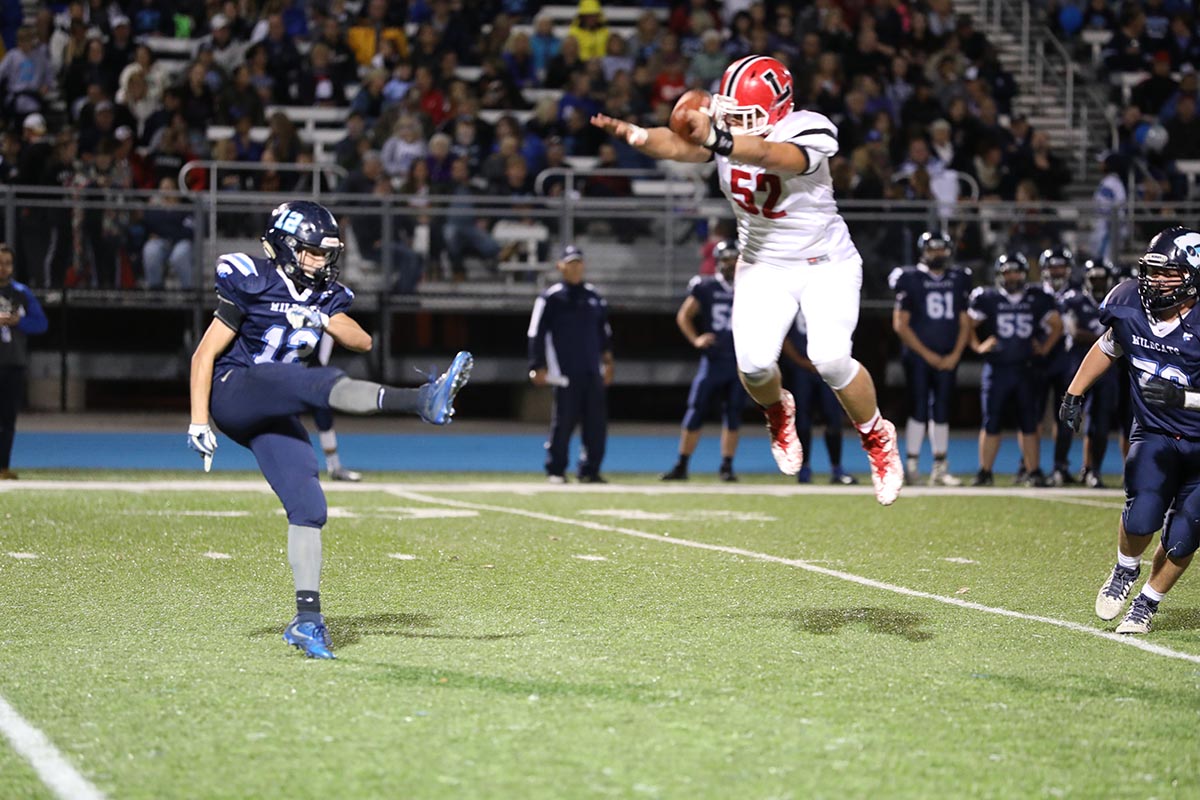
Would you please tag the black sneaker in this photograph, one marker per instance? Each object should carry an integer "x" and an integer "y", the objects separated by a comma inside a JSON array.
[
  {"x": 983, "y": 478},
  {"x": 1115, "y": 591},
  {"x": 1062, "y": 476},
  {"x": 726, "y": 475},
  {"x": 1022, "y": 474},
  {"x": 676, "y": 473},
  {"x": 842, "y": 478},
  {"x": 592, "y": 479},
  {"x": 1139, "y": 617},
  {"x": 1035, "y": 480}
]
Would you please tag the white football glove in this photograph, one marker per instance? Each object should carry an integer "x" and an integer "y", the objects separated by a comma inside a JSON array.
[
  {"x": 202, "y": 439},
  {"x": 307, "y": 317}
]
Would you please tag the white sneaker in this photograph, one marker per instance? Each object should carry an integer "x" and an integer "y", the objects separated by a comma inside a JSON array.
[
  {"x": 1115, "y": 591},
  {"x": 1139, "y": 616},
  {"x": 785, "y": 443},
  {"x": 557, "y": 480},
  {"x": 887, "y": 473},
  {"x": 941, "y": 476},
  {"x": 343, "y": 474}
]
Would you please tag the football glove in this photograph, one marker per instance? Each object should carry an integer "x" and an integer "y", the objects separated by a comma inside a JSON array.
[
  {"x": 1071, "y": 411},
  {"x": 307, "y": 317},
  {"x": 202, "y": 439},
  {"x": 1158, "y": 392}
]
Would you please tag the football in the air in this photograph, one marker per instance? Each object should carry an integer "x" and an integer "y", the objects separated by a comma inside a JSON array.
[{"x": 691, "y": 100}]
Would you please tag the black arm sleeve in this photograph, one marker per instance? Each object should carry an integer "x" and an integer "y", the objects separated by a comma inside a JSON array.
[{"x": 228, "y": 312}]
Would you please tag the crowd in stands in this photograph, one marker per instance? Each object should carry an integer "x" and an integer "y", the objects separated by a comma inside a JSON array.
[{"x": 455, "y": 98}]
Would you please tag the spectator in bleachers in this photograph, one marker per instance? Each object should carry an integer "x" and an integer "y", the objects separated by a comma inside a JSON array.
[
  {"x": 465, "y": 233},
  {"x": 590, "y": 30},
  {"x": 626, "y": 228},
  {"x": 971, "y": 41},
  {"x": 348, "y": 152},
  {"x": 403, "y": 147},
  {"x": 707, "y": 65},
  {"x": 283, "y": 140},
  {"x": 1111, "y": 229},
  {"x": 365, "y": 36},
  {"x": 496, "y": 87},
  {"x": 941, "y": 18},
  {"x": 466, "y": 143},
  {"x": 428, "y": 95},
  {"x": 1098, "y": 15},
  {"x": 1049, "y": 172},
  {"x": 169, "y": 229},
  {"x": 427, "y": 237},
  {"x": 999, "y": 82},
  {"x": 826, "y": 92},
  {"x": 919, "y": 41},
  {"x": 103, "y": 229},
  {"x": 427, "y": 46},
  {"x": 1188, "y": 86},
  {"x": 226, "y": 50},
  {"x": 922, "y": 108},
  {"x": 617, "y": 59},
  {"x": 150, "y": 18},
  {"x": 342, "y": 61},
  {"x": 671, "y": 80},
  {"x": 157, "y": 75},
  {"x": 1158, "y": 25},
  {"x": 1033, "y": 228},
  {"x": 561, "y": 66},
  {"x": 1152, "y": 93},
  {"x": 867, "y": 56},
  {"x": 440, "y": 161},
  {"x": 1124, "y": 51},
  {"x": 494, "y": 41},
  {"x": 86, "y": 70},
  {"x": 119, "y": 50},
  {"x": 836, "y": 35},
  {"x": 318, "y": 83},
  {"x": 644, "y": 41},
  {"x": 101, "y": 127},
  {"x": 283, "y": 59},
  {"x": 133, "y": 96},
  {"x": 1183, "y": 131},
  {"x": 496, "y": 164},
  {"x": 556, "y": 159},
  {"x": 25, "y": 76},
  {"x": 67, "y": 45},
  {"x": 543, "y": 45},
  {"x": 519, "y": 61},
  {"x": 1021, "y": 137},
  {"x": 172, "y": 104},
  {"x": 169, "y": 155},
  {"x": 941, "y": 144},
  {"x": 1183, "y": 43},
  {"x": 991, "y": 173},
  {"x": 239, "y": 99},
  {"x": 853, "y": 124},
  {"x": 199, "y": 104}
]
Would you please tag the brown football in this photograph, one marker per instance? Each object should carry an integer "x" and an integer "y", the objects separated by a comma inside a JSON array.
[{"x": 691, "y": 100}]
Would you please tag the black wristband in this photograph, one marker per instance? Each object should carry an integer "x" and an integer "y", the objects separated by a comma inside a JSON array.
[{"x": 723, "y": 142}]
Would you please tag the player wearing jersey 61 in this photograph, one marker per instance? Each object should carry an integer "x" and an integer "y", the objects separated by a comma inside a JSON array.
[{"x": 796, "y": 252}]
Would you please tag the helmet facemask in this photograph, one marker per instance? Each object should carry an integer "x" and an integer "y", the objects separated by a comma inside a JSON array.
[
  {"x": 741, "y": 120},
  {"x": 1164, "y": 285},
  {"x": 311, "y": 266}
]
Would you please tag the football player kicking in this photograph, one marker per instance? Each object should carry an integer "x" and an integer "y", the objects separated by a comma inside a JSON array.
[
  {"x": 249, "y": 374},
  {"x": 1148, "y": 324},
  {"x": 796, "y": 252}
]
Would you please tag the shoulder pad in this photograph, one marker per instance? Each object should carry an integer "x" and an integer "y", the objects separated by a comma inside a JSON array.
[
  {"x": 695, "y": 281},
  {"x": 1123, "y": 300},
  {"x": 241, "y": 275},
  {"x": 895, "y": 275},
  {"x": 980, "y": 291}
]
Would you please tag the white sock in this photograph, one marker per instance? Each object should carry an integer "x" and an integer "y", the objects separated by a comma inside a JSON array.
[
  {"x": 869, "y": 425},
  {"x": 939, "y": 438},
  {"x": 1151, "y": 594},
  {"x": 328, "y": 440},
  {"x": 914, "y": 434},
  {"x": 332, "y": 462},
  {"x": 1128, "y": 562}
]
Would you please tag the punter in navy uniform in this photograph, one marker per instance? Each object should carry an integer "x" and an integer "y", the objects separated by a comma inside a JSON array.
[
  {"x": 249, "y": 375},
  {"x": 570, "y": 347},
  {"x": 1054, "y": 371},
  {"x": 1013, "y": 323},
  {"x": 1080, "y": 309},
  {"x": 810, "y": 392},
  {"x": 703, "y": 319},
  {"x": 930, "y": 318},
  {"x": 1150, "y": 325}
]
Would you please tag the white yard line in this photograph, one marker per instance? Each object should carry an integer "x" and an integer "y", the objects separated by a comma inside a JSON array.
[
  {"x": 808, "y": 566},
  {"x": 54, "y": 770}
]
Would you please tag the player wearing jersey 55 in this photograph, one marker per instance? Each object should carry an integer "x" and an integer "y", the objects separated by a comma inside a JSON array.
[{"x": 796, "y": 252}]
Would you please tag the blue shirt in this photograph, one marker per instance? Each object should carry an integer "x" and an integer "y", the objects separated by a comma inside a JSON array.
[
  {"x": 715, "y": 297},
  {"x": 569, "y": 331},
  {"x": 933, "y": 303},
  {"x": 1169, "y": 350},
  {"x": 279, "y": 322},
  {"x": 1015, "y": 320}
]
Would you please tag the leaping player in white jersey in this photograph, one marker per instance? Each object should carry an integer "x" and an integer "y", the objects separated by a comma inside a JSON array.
[{"x": 796, "y": 251}]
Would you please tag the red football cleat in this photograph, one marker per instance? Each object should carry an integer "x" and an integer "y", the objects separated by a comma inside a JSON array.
[
  {"x": 887, "y": 473},
  {"x": 785, "y": 444}
]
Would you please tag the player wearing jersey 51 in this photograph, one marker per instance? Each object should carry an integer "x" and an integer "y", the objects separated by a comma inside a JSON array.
[{"x": 796, "y": 252}]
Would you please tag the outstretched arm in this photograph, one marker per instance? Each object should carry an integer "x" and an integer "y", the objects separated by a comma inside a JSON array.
[{"x": 654, "y": 142}]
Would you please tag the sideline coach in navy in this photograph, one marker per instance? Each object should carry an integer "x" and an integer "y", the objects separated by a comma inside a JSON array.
[{"x": 570, "y": 348}]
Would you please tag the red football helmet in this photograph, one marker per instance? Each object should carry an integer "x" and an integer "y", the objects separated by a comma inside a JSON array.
[{"x": 756, "y": 93}]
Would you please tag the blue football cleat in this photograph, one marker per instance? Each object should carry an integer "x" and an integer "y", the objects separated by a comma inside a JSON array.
[
  {"x": 308, "y": 633},
  {"x": 437, "y": 396}
]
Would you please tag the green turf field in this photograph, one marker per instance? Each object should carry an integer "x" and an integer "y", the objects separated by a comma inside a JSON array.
[{"x": 517, "y": 641}]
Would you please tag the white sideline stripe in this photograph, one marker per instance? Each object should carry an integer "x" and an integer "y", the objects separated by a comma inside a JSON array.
[
  {"x": 811, "y": 567},
  {"x": 54, "y": 770}
]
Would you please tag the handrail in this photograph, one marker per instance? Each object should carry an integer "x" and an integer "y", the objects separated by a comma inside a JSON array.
[
  {"x": 698, "y": 191},
  {"x": 256, "y": 166}
]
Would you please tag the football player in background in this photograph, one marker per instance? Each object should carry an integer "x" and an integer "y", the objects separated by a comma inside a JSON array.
[
  {"x": 249, "y": 375},
  {"x": 930, "y": 318},
  {"x": 1080, "y": 310},
  {"x": 1009, "y": 317},
  {"x": 809, "y": 390},
  {"x": 1054, "y": 371},
  {"x": 1149, "y": 324},
  {"x": 324, "y": 421},
  {"x": 703, "y": 318},
  {"x": 796, "y": 252}
]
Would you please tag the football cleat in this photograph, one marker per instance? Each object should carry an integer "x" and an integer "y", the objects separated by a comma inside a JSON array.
[
  {"x": 556, "y": 480},
  {"x": 676, "y": 473},
  {"x": 1062, "y": 477},
  {"x": 1091, "y": 479},
  {"x": 307, "y": 632},
  {"x": 436, "y": 402},
  {"x": 343, "y": 474},
  {"x": 940, "y": 476},
  {"x": 1140, "y": 614},
  {"x": 592, "y": 479},
  {"x": 839, "y": 477},
  {"x": 804, "y": 475},
  {"x": 887, "y": 473},
  {"x": 1035, "y": 480},
  {"x": 984, "y": 478},
  {"x": 785, "y": 444},
  {"x": 727, "y": 475},
  {"x": 1115, "y": 591}
]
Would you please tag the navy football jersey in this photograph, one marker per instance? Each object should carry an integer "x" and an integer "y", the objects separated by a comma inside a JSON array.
[
  {"x": 1078, "y": 305},
  {"x": 279, "y": 321},
  {"x": 715, "y": 296},
  {"x": 1169, "y": 350},
  {"x": 933, "y": 303},
  {"x": 1015, "y": 320}
]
